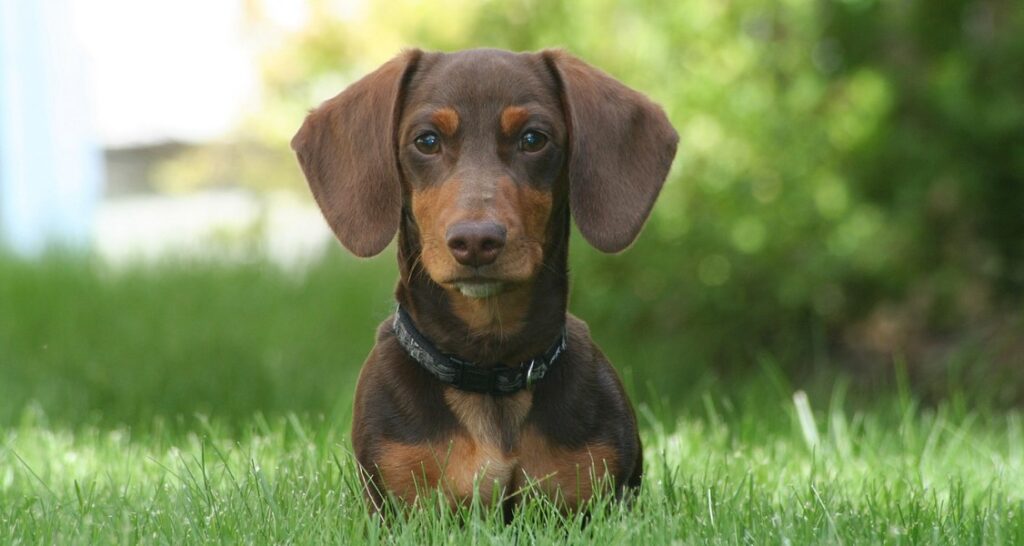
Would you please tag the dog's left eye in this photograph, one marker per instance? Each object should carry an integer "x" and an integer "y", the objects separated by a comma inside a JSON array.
[
  {"x": 428, "y": 143},
  {"x": 532, "y": 141}
]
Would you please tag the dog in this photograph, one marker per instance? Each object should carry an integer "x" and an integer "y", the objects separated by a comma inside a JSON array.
[{"x": 482, "y": 382}]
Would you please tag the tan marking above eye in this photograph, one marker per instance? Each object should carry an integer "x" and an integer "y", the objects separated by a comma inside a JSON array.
[
  {"x": 513, "y": 118},
  {"x": 447, "y": 120}
]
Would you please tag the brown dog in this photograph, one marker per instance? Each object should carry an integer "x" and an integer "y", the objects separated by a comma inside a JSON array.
[{"x": 482, "y": 380}]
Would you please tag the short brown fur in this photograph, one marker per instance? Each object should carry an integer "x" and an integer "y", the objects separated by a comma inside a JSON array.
[
  {"x": 570, "y": 476},
  {"x": 455, "y": 467},
  {"x": 490, "y": 420}
]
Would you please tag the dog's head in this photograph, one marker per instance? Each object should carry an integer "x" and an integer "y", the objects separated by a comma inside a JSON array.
[{"x": 480, "y": 147}]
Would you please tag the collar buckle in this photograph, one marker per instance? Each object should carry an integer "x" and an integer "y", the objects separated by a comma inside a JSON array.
[{"x": 530, "y": 379}]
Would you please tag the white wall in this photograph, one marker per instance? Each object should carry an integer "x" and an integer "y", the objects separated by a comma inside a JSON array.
[{"x": 50, "y": 161}]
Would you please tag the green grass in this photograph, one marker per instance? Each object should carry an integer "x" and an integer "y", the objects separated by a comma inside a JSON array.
[
  {"x": 197, "y": 402},
  {"x": 925, "y": 477}
]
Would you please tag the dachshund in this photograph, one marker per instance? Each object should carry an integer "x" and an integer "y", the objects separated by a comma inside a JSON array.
[{"x": 481, "y": 382}]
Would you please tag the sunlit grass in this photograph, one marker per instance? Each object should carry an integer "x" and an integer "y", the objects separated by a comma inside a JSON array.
[{"x": 880, "y": 476}]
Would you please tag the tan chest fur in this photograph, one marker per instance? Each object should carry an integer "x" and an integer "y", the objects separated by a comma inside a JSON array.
[{"x": 494, "y": 455}]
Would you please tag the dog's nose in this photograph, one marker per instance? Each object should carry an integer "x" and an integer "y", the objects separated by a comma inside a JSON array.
[{"x": 476, "y": 243}]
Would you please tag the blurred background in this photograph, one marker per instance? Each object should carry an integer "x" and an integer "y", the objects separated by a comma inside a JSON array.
[{"x": 846, "y": 208}]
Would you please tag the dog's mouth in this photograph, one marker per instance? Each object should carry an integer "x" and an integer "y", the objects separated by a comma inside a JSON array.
[{"x": 478, "y": 287}]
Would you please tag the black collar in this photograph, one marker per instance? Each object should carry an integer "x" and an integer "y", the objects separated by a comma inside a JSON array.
[{"x": 469, "y": 376}]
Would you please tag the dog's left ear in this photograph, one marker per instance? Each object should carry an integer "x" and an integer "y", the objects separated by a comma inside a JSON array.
[{"x": 621, "y": 146}]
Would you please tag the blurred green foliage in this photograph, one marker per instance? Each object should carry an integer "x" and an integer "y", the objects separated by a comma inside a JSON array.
[
  {"x": 87, "y": 343},
  {"x": 849, "y": 184}
]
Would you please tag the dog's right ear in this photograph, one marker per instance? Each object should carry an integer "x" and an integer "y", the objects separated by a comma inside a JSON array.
[{"x": 346, "y": 148}]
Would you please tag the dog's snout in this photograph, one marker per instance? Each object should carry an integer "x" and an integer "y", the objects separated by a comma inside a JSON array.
[{"x": 476, "y": 243}]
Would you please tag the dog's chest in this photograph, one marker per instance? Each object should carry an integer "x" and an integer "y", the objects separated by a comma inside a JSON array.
[
  {"x": 495, "y": 454},
  {"x": 490, "y": 420}
]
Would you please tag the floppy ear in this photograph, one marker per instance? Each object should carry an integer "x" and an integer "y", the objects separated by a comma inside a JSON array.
[
  {"x": 346, "y": 148},
  {"x": 621, "y": 146}
]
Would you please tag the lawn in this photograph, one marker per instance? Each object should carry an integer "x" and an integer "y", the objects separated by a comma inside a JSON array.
[{"x": 200, "y": 402}]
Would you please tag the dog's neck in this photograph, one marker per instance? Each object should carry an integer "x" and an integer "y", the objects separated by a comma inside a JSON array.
[{"x": 510, "y": 327}]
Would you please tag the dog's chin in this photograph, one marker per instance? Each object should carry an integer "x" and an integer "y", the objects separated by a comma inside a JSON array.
[
  {"x": 479, "y": 289},
  {"x": 477, "y": 286}
]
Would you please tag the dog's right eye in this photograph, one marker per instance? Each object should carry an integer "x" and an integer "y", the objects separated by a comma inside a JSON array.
[
  {"x": 428, "y": 143},
  {"x": 532, "y": 141}
]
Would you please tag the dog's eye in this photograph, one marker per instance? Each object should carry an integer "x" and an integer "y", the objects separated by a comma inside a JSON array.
[
  {"x": 532, "y": 141},
  {"x": 428, "y": 143}
]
